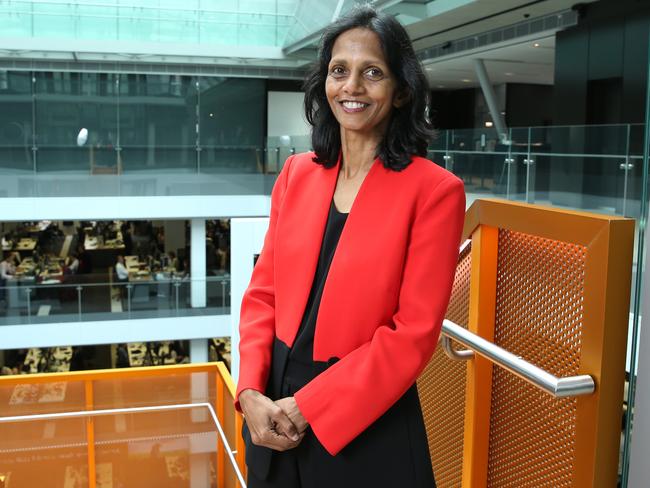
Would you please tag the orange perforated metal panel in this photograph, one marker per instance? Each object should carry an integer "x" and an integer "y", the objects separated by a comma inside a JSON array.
[
  {"x": 539, "y": 315},
  {"x": 442, "y": 390}
]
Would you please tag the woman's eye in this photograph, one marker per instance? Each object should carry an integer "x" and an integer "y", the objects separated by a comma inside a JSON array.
[
  {"x": 337, "y": 71},
  {"x": 374, "y": 73}
]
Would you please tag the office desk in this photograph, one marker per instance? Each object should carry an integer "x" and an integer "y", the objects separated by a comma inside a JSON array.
[
  {"x": 102, "y": 253},
  {"x": 26, "y": 244}
]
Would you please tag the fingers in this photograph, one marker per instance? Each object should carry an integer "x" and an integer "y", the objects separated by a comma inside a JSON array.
[
  {"x": 283, "y": 425},
  {"x": 290, "y": 408},
  {"x": 280, "y": 442},
  {"x": 269, "y": 426},
  {"x": 273, "y": 439}
]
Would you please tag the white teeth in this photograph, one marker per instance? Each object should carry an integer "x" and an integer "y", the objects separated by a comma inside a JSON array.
[{"x": 354, "y": 105}]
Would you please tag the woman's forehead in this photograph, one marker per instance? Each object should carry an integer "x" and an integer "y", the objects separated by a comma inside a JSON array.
[{"x": 358, "y": 43}]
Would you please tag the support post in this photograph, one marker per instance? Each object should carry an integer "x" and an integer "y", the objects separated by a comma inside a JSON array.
[
  {"x": 198, "y": 263},
  {"x": 490, "y": 98},
  {"x": 482, "y": 302},
  {"x": 199, "y": 351},
  {"x": 90, "y": 436}
]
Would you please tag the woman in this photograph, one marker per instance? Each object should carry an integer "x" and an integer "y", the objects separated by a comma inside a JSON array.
[{"x": 346, "y": 300}]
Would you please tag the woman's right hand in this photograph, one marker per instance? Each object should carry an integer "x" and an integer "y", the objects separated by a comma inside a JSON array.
[{"x": 268, "y": 424}]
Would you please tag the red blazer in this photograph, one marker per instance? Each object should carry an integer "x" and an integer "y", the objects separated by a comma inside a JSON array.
[{"x": 386, "y": 292}]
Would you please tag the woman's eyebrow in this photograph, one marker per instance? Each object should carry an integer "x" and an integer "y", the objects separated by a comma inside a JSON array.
[{"x": 363, "y": 62}]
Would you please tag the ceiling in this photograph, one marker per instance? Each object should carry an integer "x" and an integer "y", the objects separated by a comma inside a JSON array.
[
  {"x": 431, "y": 24},
  {"x": 530, "y": 61},
  {"x": 525, "y": 59},
  {"x": 472, "y": 17}
]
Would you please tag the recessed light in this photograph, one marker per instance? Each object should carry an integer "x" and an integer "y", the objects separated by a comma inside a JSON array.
[
  {"x": 466, "y": 80},
  {"x": 440, "y": 86},
  {"x": 488, "y": 123},
  {"x": 508, "y": 74},
  {"x": 536, "y": 44}
]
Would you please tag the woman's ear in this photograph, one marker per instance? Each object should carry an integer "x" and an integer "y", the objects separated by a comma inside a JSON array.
[{"x": 400, "y": 98}]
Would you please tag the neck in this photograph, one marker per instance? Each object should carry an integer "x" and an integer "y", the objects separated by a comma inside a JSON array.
[{"x": 358, "y": 152}]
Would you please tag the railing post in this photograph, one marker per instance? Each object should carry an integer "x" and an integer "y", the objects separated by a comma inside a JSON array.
[
  {"x": 626, "y": 167},
  {"x": 177, "y": 285},
  {"x": 90, "y": 436},
  {"x": 28, "y": 291},
  {"x": 128, "y": 298},
  {"x": 482, "y": 301},
  {"x": 79, "y": 289},
  {"x": 221, "y": 453},
  {"x": 240, "y": 455},
  {"x": 509, "y": 161},
  {"x": 530, "y": 171}
]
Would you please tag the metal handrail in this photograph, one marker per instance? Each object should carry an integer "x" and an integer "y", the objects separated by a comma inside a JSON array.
[{"x": 557, "y": 387}]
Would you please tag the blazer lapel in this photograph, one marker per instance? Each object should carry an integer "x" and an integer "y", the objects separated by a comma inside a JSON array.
[
  {"x": 302, "y": 230},
  {"x": 352, "y": 260}
]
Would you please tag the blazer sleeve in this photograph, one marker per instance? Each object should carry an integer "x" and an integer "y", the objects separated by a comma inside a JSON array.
[
  {"x": 257, "y": 316},
  {"x": 351, "y": 394}
]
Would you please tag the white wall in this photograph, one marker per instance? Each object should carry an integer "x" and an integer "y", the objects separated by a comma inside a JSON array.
[
  {"x": 114, "y": 331},
  {"x": 285, "y": 114},
  {"x": 133, "y": 208},
  {"x": 246, "y": 240}
]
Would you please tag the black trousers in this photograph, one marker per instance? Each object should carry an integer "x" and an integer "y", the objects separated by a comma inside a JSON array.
[{"x": 392, "y": 452}]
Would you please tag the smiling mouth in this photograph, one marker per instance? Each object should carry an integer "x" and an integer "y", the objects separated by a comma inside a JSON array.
[{"x": 349, "y": 106}]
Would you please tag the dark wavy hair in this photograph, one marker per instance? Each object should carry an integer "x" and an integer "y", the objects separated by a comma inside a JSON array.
[{"x": 409, "y": 129}]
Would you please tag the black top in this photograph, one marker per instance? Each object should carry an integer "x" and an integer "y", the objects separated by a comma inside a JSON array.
[{"x": 302, "y": 352}]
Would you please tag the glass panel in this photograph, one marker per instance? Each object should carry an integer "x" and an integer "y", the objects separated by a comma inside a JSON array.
[
  {"x": 24, "y": 301},
  {"x": 44, "y": 453},
  {"x": 440, "y": 141},
  {"x": 250, "y": 23},
  {"x": 16, "y": 19},
  {"x": 231, "y": 128},
  {"x": 52, "y": 20},
  {"x": 178, "y": 447},
  {"x": 157, "y": 115},
  {"x": 39, "y": 398},
  {"x": 477, "y": 157},
  {"x": 279, "y": 148},
  {"x": 16, "y": 127},
  {"x": 65, "y": 104},
  {"x": 154, "y": 429},
  {"x": 639, "y": 150},
  {"x": 167, "y": 389}
]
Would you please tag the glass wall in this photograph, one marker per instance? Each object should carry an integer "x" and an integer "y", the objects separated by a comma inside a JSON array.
[
  {"x": 597, "y": 168},
  {"x": 110, "y": 270},
  {"x": 223, "y": 22},
  {"x": 108, "y": 123}
]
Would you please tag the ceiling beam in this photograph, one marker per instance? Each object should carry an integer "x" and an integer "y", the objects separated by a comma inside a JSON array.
[{"x": 314, "y": 37}]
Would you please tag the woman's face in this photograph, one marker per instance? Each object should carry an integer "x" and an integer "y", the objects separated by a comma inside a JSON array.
[{"x": 360, "y": 88}]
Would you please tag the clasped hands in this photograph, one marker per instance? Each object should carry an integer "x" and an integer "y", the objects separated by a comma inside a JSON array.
[{"x": 278, "y": 425}]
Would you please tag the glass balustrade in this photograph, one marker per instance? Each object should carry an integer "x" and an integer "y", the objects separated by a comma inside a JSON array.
[
  {"x": 210, "y": 22},
  {"x": 24, "y": 301},
  {"x": 161, "y": 426},
  {"x": 595, "y": 168}
]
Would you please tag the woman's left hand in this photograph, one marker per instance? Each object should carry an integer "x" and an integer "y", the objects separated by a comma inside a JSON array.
[{"x": 291, "y": 410}]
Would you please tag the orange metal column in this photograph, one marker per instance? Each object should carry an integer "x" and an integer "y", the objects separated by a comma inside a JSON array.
[
  {"x": 90, "y": 436},
  {"x": 239, "y": 446},
  {"x": 221, "y": 458},
  {"x": 604, "y": 335},
  {"x": 482, "y": 301}
]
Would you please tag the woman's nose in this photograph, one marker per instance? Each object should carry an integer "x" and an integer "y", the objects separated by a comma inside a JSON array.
[{"x": 354, "y": 84}]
